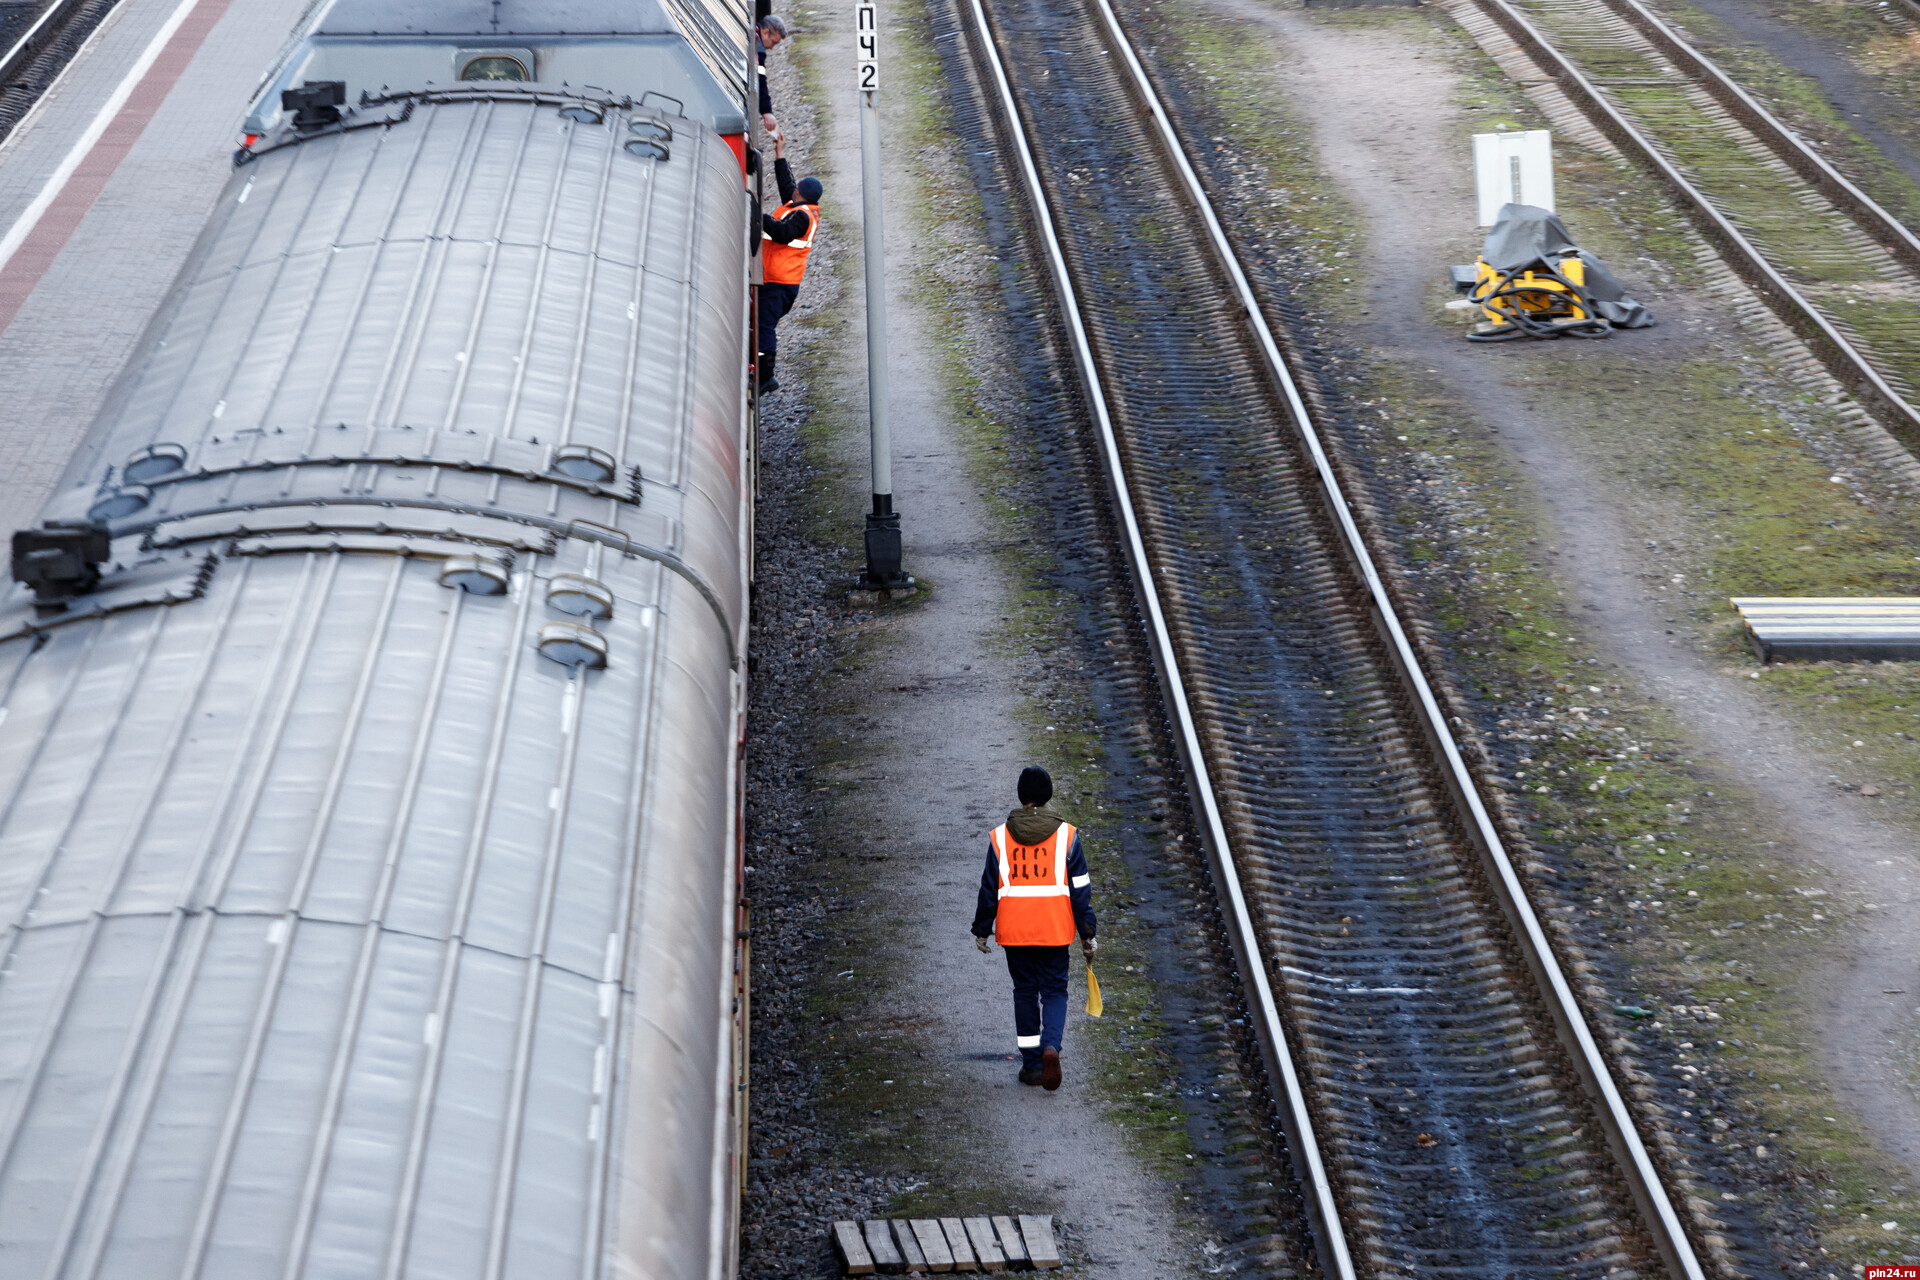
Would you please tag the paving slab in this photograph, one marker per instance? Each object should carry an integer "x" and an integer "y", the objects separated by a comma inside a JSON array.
[
  {"x": 855, "y": 1260},
  {"x": 933, "y": 1244},
  {"x": 879, "y": 1237},
  {"x": 956, "y": 1233}
]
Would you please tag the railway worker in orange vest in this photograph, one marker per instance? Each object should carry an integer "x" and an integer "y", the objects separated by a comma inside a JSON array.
[
  {"x": 1034, "y": 896},
  {"x": 786, "y": 238}
]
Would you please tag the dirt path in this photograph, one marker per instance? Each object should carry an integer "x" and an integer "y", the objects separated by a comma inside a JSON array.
[
  {"x": 1381, "y": 149},
  {"x": 950, "y": 733}
]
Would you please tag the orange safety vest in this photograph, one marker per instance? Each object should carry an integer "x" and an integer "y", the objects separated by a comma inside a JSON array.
[
  {"x": 787, "y": 263},
  {"x": 1035, "y": 908}
]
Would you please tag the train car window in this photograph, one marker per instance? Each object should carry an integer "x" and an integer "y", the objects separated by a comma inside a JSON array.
[{"x": 494, "y": 66}]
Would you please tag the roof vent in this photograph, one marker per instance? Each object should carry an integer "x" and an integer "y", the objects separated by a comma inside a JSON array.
[
  {"x": 582, "y": 113},
  {"x": 582, "y": 597},
  {"x": 650, "y": 138},
  {"x": 573, "y": 645},
  {"x": 118, "y": 504},
  {"x": 60, "y": 560},
  {"x": 475, "y": 575},
  {"x": 156, "y": 460},
  {"x": 316, "y": 104},
  {"x": 584, "y": 462},
  {"x": 510, "y": 65}
]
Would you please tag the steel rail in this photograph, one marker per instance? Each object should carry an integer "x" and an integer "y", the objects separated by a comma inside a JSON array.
[
  {"x": 1295, "y": 1117},
  {"x": 1660, "y": 1219},
  {"x": 1784, "y": 142},
  {"x": 43, "y": 29},
  {"x": 1840, "y": 356}
]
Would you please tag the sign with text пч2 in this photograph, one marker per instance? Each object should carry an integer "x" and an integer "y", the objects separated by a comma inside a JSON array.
[{"x": 866, "y": 61}]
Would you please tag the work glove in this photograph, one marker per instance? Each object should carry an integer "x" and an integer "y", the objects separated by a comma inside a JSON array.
[
  {"x": 1088, "y": 946},
  {"x": 986, "y": 947}
]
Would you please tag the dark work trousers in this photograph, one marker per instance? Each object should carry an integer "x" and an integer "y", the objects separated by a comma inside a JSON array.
[
  {"x": 775, "y": 301},
  {"x": 1039, "y": 999}
]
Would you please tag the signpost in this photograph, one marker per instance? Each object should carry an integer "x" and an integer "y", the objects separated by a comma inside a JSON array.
[
  {"x": 1512, "y": 168},
  {"x": 883, "y": 571}
]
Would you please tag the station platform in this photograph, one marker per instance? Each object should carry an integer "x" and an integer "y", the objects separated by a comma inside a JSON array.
[{"x": 103, "y": 188}]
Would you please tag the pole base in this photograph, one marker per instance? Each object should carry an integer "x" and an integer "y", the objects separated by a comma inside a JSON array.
[
  {"x": 863, "y": 593},
  {"x": 884, "y": 576}
]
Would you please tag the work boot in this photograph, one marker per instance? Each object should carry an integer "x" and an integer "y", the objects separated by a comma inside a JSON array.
[
  {"x": 1029, "y": 1075},
  {"x": 770, "y": 385},
  {"x": 1050, "y": 1069}
]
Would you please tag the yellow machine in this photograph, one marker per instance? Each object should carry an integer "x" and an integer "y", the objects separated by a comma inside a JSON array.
[{"x": 1546, "y": 300}]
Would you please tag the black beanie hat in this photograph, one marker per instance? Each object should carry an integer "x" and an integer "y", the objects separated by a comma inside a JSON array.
[
  {"x": 809, "y": 190},
  {"x": 1035, "y": 786}
]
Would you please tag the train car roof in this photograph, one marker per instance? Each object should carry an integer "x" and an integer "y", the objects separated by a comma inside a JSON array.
[
  {"x": 693, "y": 53},
  {"x": 404, "y": 950},
  {"x": 495, "y": 17}
]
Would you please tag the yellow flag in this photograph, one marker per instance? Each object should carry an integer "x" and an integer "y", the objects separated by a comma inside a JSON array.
[{"x": 1093, "y": 994}]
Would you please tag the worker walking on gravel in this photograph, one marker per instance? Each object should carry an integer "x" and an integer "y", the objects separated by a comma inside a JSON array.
[
  {"x": 1034, "y": 895},
  {"x": 786, "y": 238}
]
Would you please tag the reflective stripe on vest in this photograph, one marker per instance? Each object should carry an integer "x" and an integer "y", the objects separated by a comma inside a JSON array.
[
  {"x": 787, "y": 263},
  {"x": 1036, "y": 907}
]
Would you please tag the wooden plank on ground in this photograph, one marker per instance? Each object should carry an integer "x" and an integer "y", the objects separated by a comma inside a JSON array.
[
  {"x": 886, "y": 1258},
  {"x": 908, "y": 1246},
  {"x": 985, "y": 1247},
  {"x": 1009, "y": 1240},
  {"x": 956, "y": 1233},
  {"x": 933, "y": 1244},
  {"x": 1038, "y": 1234},
  {"x": 852, "y": 1249}
]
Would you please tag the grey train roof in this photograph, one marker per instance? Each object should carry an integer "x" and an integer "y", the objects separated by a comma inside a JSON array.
[
  {"x": 494, "y": 17},
  {"x": 696, "y": 53},
  {"x": 347, "y": 935}
]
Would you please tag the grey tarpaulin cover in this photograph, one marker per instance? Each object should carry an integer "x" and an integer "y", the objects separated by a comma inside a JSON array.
[{"x": 1523, "y": 235}]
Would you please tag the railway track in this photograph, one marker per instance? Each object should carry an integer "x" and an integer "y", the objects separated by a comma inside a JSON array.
[
  {"x": 1841, "y": 271},
  {"x": 1446, "y": 1108},
  {"x": 37, "y": 40}
]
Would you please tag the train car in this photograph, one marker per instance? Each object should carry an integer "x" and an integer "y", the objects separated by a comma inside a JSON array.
[{"x": 371, "y": 698}]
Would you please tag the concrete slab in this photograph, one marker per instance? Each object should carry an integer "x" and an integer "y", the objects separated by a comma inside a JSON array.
[{"x": 1832, "y": 629}]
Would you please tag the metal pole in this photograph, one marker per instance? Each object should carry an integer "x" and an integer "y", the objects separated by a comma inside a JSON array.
[{"x": 883, "y": 522}]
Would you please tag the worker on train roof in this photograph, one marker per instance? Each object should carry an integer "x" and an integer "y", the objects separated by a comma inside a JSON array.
[
  {"x": 786, "y": 238},
  {"x": 1033, "y": 896},
  {"x": 767, "y": 34}
]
